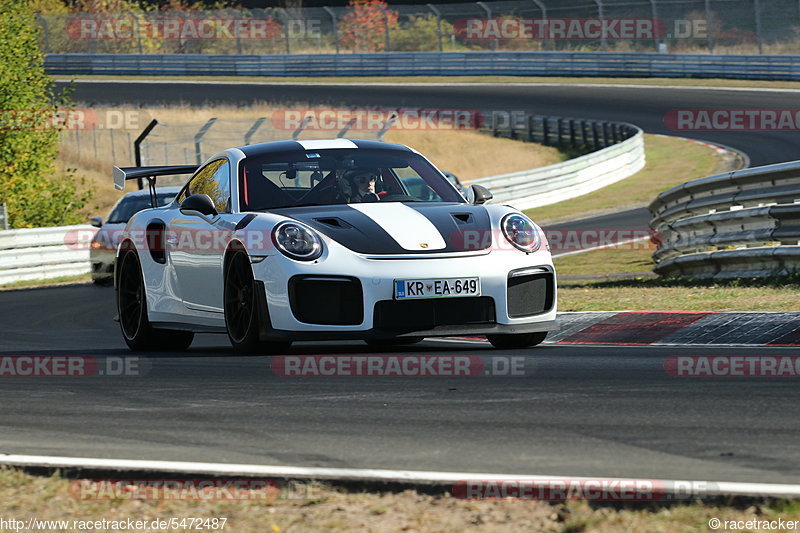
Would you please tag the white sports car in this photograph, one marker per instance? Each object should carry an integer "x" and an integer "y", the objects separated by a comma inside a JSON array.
[{"x": 325, "y": 240}]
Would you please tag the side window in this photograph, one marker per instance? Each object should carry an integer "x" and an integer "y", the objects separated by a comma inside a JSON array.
[{"x": 213, "y": 180}]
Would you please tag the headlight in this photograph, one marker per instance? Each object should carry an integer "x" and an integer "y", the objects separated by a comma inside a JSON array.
[
  {"x": 521, "y": 232},
  {"x": 296, "y": 241}
]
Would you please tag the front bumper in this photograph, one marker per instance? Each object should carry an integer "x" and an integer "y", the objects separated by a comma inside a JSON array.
[{"x": 498, "y": 312}]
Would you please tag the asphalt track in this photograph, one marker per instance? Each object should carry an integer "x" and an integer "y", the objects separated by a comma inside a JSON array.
[{"x": 578, "y": 410}]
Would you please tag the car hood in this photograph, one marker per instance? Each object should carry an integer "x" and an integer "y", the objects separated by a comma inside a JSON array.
[{"x": 399, "y": 228}]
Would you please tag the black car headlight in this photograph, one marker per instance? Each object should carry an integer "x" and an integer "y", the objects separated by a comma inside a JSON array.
[
  {"x": 521, "y": 232},
  {"x": 297, "y": 241}
]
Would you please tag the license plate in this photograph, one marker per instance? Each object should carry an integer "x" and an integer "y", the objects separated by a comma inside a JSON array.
[{"x": 405, "y": 289}]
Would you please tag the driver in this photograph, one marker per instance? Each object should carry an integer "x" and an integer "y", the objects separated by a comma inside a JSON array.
[{"x": 359, "y": 185}]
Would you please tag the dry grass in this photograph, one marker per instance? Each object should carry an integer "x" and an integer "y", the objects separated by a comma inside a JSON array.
[
  {"x": 670, "y": 161},
  {"x": 91, "y": 152},
  {"x": 471, "y": 155},
  {"x": 47, "y": 498}
]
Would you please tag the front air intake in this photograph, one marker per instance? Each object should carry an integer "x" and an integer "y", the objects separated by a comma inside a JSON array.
[{"x": 328, "y": 300}]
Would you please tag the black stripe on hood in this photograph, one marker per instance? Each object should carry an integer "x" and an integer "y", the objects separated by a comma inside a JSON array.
[{"x": 463, "y": 227}]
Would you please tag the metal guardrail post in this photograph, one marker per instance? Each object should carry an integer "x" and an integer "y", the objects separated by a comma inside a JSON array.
[
  {"x": 438, "y": 25},
  {"x": 285, "y": 17},
  {"x": 249, "y": 135},
  {"x": 46, "y": 31},
  {"x": 3, "y": 216},
  {"x": 388, "y": 42},
  {"x": 757, "y": 10},
  {"x": 137, "y": 148},
  {"x": 545, "y": 131},
  {"x": 546, "y": 36},
  {"x": 346, "y": 128},
  {"x": 296, "y": 133},
  {"x": 137, "y": 30},
  {"x": 529, "y": 137},
  {"x": 488, "y": 15},
  {"x": 335, "y": 22},
  {"x": 654, "y": 14},
  {"x": 198, "y": 137},
  {"x": 389, "y": 123},
  {"x": 600, "y": 16}
]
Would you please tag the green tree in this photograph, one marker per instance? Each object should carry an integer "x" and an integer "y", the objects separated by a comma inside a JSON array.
[{"x": 35, "y": 192}]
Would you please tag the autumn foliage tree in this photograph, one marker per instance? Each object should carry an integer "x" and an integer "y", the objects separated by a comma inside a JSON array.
[{"x": 364, "y": 27}]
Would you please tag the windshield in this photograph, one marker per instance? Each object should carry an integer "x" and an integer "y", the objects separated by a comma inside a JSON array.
[
  {"x": 130, "y": 205},
  {"x": 340, "y": 176}
]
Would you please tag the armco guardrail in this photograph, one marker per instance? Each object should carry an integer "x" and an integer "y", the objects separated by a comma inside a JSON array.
[
  {"x": 739, "y": 224},
  {"x": 621, "y": 155},
  {"x": 603, "y": 64},
  {"x": 44, "y": 253}
]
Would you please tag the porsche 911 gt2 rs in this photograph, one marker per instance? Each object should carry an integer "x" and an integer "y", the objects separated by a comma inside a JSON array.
[{"x": 324, "y": 240}]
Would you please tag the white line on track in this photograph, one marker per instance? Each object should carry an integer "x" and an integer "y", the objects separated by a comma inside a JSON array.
[{"x": 710, "y": 488}]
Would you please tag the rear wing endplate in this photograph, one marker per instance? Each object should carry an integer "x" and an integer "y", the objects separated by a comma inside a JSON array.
[{"x": 121, "y": 175}]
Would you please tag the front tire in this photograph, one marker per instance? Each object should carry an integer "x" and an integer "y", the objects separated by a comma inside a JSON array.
[
  {"x": 132, "y": 308},
  {"x": 241, "y": 313},
  {"x": 517, "y": 340}
]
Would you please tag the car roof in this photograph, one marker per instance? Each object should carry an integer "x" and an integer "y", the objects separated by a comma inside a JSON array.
[{"x": 324, "y": 144}]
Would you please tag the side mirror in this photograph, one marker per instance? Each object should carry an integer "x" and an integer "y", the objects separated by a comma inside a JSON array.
[
  {"x": 97, "y": 222},
  {"x": 201, "y": 203},
  {"x": 478, "y": 194}
]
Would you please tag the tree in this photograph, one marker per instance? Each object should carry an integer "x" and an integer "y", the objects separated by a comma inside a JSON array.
[
  {"x": 364, "y": 27},
  {"x": 35, "y": 193}
]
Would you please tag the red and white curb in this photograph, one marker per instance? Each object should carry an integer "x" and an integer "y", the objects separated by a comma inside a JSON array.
[{"x": 672, "y": 328}]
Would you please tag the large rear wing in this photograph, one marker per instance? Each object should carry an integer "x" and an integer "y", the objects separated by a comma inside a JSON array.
[{"x": 121, "y": 175}]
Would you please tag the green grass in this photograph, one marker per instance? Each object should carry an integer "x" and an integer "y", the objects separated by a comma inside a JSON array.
[
  {"x": 64, "y": 280},
  {"x": 647, "y": 294},
  {"x": 670, "y": 161},
  {"x": 656, "y": 82}
]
